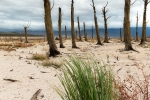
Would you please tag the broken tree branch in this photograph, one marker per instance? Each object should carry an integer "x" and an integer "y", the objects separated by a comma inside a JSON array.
[{"x": 34, "y": 97}]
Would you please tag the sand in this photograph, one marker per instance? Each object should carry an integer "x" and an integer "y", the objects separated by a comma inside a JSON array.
[{"x": 17, "y": 65}]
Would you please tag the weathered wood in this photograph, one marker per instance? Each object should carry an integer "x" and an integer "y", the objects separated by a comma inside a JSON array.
[
  {"x": 120, "y": 35},
  {"x": 72, "y": 26},
  {"x": 80, "y": 37},
  {"x": 96, "y": 24},
  {"x": 104, "y": 11},
  {"x": 49, "y": 29},
  {"x": 127, "y": 35},
  {"x": 143, "y": 38},
  {"x": 34, "y": 97},
  {"x": 65, "y": 32},
  {"x": 85, "y": 34},
  {"x": 11, "y": 80},
  {"x": 137, "y": 19},
  {"x": 92, "y": 32},
  {"x": 59, "y": 28}
]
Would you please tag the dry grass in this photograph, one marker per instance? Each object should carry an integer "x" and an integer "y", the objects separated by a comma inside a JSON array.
[
  {"x": 39, "y": 57},
  {"x": 135, "y": 88},
  {"x": 52, "y": 63},
  {"x": 23, "y": 45}
]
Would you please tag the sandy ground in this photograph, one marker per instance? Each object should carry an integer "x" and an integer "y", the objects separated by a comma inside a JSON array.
[{"x": 17, "y": 65}]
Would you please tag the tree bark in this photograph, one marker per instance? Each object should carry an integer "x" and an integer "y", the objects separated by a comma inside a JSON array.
[
  {"x": 104, "y": 11},
  {"x": 65, "y": 32},
  {"x": 80, "y": 37},
  {"x": 92, "y": 32},
  {"x": 120, "y": 35},
  {"x": 96, "y": 25},
  {"x": 137, "y": 19},
  {"x": 128, "y": 45},
  {"x": 59, "y": 28},
  {"x": 72, "y": 26},
  {"x": 85, "y": 34},
  {"x": 143, "y": 38},
  {"x": 76, "y": 34},
  {"x": 25, "y": 33},
  {"x": 49, "y": 29}
]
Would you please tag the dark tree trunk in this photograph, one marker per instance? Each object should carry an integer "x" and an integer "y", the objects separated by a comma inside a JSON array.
[
  {"x": 49, "y": 29},
  {"x": 72, "y": 26},
  {"x": 85, "y": 34},
  {"x": 143, "y": 38},
  {"x": 137, "y": 19},
  {"x": 25, "y": 33},
  {"x": 65, "y": 32},
  {"x": 128, "y": 45},
  {"x": 96, "y": 25},
  {"x": 76, "y": 34},
  {"x": 80, "y": 37},
  {"x": 120, "y": 35},
  {"x": 92, "y": 32},
  {"x": 59, "y": 28},
  {"x": 104, "y": 11}
]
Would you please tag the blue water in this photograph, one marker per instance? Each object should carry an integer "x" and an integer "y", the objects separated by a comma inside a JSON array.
[{"x": 112, "y": 32}]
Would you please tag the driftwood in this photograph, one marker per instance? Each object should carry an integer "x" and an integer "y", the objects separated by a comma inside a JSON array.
[
  {"x": 44, "y": 72},
  {"x": 11, "y": 80},
  {"x": 34, "y": 97}
]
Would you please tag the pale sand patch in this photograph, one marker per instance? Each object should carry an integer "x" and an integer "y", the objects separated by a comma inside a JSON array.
[{"x": 16, "y": 65}]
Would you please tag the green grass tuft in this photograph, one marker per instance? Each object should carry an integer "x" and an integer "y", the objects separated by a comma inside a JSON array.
[{"x": 87, "y": 80}]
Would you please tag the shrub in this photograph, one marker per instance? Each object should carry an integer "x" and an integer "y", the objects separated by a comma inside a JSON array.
[{"x": 87, "y": 80}]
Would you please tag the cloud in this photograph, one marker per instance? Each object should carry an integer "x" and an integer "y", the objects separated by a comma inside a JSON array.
[{"x": 14, "y": 14}]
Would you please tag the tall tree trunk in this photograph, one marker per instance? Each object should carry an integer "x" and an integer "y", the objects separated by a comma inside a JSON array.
[
  {"x": 85, "y": 34},
  {"x": 104, "y": 11},
  {"x": 120, "y": 35},
  {"x": 59, "y": 27},
  {"x": 65, "y": 32},
  {"x": 92, "y": 32},
  {"x": 72, "y": 26},
  {"x": 137, "y": 19},
  {"x": 96, "y": 25},
  {"x": 143, "y": 38},
  {"x": 128, "y": 45},
  {"x": 76, "y": 34},
  {"x": 25, "y": 33},
  {"x": 49, "y": 29},
  {"x": 80, "y": 37}
]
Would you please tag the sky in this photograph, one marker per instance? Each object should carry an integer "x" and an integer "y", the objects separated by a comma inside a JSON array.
[{"x": 15, "y": 14}]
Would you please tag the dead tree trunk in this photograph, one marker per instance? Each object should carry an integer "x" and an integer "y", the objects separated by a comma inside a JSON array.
[
  {"x": 104, "y": 11},
  {"x": 96, "y": 24},
  {"x": 25, "y": 34},
  {"x": 143, "y": 38},
  {"x": 76, "y": 34},
  {"x": 49, "y": 29},
  {"x": 92, "y": 32},
  {"x": 65, "y": 32},
  {"x": 59, "y": 28},
  {"x": 72, "y": 26},
  {"x": 137, "y": 19},
  {"x": 85, "y": 34},
  {"x": 120, "y": 34},
  {"x": 80, "y": 37},
  {"x": 128, "y": 45}
]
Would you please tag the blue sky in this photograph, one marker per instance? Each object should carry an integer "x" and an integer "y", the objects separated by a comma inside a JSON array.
[{"x": 14, "y": 14}]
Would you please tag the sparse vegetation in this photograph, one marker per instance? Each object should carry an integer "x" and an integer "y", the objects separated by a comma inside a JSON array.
[
  {"x": 39, "y": 57},
  {"x": 87, "y": 80},
  {"x": 52, "y": 63}
]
